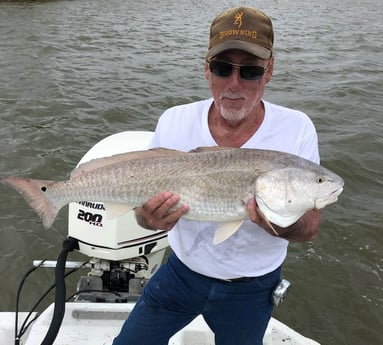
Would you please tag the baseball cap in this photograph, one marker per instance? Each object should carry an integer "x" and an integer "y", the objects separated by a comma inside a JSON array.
[{"x": 242, "y": 28}]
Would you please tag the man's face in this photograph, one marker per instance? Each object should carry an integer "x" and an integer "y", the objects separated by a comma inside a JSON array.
[{"x": 234, "y": 97}]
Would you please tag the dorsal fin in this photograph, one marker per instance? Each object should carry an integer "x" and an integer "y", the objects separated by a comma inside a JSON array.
[
  {"x": 211, "y": 148},
  {"x": 98, "y": 163}
]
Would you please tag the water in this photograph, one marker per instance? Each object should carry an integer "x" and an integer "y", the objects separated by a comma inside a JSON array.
[{"x": 73, "y": 72}]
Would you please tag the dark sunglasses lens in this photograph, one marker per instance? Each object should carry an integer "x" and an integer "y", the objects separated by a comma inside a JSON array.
[
  {"x": 224, "y": 69},
  {"x": 252, "y": 72},
  {"x": 220, "y": 68}
]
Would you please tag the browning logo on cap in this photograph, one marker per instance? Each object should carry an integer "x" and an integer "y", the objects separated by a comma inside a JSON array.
[
  {"x": 238, "y": 19},
  {"x": 242, "y": 28}
]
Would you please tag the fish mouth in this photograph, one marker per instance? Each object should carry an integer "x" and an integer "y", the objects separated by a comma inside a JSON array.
[{"x": 328, "y": 199}]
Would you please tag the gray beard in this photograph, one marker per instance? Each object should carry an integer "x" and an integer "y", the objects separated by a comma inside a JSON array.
[{"x": 233, "y": 115}]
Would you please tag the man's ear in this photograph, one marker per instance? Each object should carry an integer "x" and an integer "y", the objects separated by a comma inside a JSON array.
[{"x": 207, "y": 71}]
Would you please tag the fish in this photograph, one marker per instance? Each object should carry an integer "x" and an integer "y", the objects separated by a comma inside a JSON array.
[{"x": 216, "y": 183}]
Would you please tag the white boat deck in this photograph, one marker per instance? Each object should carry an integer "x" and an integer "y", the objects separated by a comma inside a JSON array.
[{"x": 99, "y": 323}]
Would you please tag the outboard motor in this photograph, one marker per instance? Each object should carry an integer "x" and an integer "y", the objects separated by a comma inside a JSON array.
[{"x": 124, "y": 255}]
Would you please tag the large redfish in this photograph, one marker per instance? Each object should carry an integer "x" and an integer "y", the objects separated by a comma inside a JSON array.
[{"x": 216, "y": 183}]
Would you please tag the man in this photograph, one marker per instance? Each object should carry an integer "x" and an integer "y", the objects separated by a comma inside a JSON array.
[{"x": 231, "y": 283}]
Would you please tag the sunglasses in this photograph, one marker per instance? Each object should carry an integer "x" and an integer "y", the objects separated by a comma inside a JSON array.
[{"x": 224, "y": 69}]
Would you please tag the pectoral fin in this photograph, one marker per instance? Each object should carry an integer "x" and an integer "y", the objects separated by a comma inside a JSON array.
[
  {"x": 116, "y": 210},
  {"x": 225, "y": 230},
  {"x": 267, "y": 221}
]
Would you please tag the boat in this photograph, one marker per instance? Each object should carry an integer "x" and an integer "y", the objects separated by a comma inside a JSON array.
[{"x": 122, "y": 258}]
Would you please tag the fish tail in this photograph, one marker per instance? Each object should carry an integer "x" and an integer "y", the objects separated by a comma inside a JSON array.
[{"x": 34, "y": 192}]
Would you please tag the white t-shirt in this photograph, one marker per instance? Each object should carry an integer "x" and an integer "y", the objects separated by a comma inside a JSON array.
[{"x": 251, "y": 251}]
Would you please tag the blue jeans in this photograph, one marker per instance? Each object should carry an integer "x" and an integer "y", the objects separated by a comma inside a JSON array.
[{"x": 237, "y": 312}]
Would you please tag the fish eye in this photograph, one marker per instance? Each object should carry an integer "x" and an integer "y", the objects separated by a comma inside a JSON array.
[{"x": 320, "y": 179}]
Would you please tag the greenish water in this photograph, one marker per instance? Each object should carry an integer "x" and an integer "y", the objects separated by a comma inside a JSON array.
[{"x": 73, "y": 72}]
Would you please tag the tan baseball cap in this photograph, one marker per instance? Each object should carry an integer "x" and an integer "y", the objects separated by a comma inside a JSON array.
[{"x": 242, "y": 28}]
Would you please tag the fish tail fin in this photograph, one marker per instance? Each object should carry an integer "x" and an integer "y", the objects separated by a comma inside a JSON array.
[{"x": 34, "y": 192}]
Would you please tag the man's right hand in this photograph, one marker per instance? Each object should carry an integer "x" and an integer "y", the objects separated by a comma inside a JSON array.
[{"x": 160, "y": 212}]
